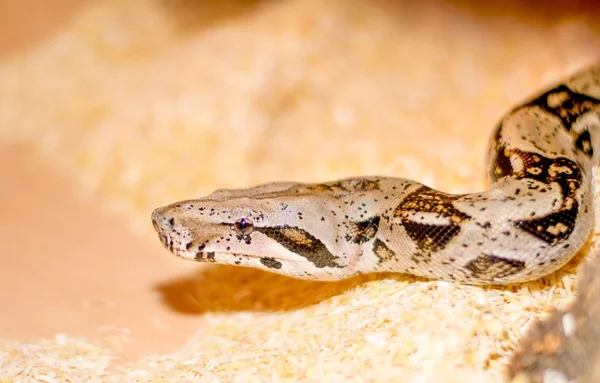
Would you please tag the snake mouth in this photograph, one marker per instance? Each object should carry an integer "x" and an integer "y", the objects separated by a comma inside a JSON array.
[
  {"x": 169, "y": 244},
  {"x": 230, "y": 258},
  {"x": 201, "y": 255},
  {"x": 236, "y": 259},
  {"x": 209, "y": 256},
  {"x": 166, "y": 241}
]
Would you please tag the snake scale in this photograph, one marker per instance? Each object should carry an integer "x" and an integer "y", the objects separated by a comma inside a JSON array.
[{"x": 536, "y": 214}]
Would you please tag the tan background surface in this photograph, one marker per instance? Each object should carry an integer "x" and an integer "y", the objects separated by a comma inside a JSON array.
[
  {"x": 86, "y": 273},
  {"x": 110, "y": 109}
]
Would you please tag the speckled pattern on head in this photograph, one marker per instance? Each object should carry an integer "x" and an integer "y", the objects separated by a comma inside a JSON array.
[{"x": 536, "y": 215}]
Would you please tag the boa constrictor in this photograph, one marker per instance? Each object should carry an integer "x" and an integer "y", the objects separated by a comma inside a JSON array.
[{"x": 535, "y": 216}]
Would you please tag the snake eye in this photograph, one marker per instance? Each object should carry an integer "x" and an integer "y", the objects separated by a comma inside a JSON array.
[{"x": 243, "y": 226}]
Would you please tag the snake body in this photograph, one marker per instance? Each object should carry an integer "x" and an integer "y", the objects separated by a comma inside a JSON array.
[{"x": 537, "y": 213}]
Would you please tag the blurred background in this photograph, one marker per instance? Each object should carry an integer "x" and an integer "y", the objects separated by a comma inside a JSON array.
[{"x": 28, "y": 22}]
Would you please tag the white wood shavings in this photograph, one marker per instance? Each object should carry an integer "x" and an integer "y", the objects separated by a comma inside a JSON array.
[
  {"x": 569, "y": 324},
  {"x": 552, "y": 376},
  {"x": 62, "y": 359}
]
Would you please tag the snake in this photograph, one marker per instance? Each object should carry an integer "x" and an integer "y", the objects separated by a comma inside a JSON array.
[{"x": 535, "y": 215}]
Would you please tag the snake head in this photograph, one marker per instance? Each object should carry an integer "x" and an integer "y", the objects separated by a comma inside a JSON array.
[{"x": 263, "y": 227}]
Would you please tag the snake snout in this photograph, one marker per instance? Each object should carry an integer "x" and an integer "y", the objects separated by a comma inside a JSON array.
[{"x": 164, "y": 224}]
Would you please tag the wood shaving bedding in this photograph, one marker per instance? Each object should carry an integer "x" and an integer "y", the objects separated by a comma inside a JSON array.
[{"x": 187, "y": 99}]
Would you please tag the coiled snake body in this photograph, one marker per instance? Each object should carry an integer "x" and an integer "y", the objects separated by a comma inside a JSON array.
[{"x": 535, "y": 216}]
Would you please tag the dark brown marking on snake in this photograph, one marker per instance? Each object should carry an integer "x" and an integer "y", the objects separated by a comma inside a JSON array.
[
  {"x": 553, "y": 228},
  {"x": 430, "y": 238},
  {"x": 427, "y": 200},
  {"x": 208, "y": 256},
  {"x": 246, "y": 238},
  {"x": 382, "y": 251},
  {"x": 339, "y": 189},
  {"x": 584, "y": 143},
  {"x": 301, "y": 242},
  {"x": 561, "y": 102},
  {"x": 566, "y": 104},
  {"x": 362, "y": 184},
  {"x": 501, "y": 166},
  {"x": 363, "y": 231},
  {"x": 557, "y": 226},
  {"x": 561, "y": 170},
  {"x": 490, "y": 267},
  {"x": 351, "y": 185},
  {"x": 271, "y": 263}
]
